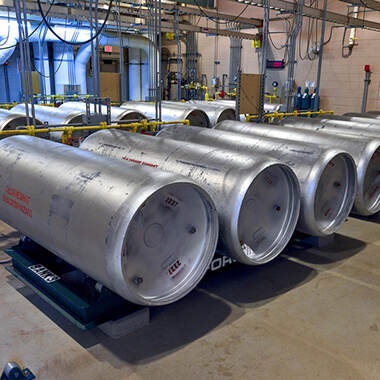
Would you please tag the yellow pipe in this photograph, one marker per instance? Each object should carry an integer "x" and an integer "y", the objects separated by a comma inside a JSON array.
[
  {"x": 63, "y": 96},
  {"x": 279, "y": 115},
  {"x": 30, "y": 130},
  {"x": 7, "y": 106}
]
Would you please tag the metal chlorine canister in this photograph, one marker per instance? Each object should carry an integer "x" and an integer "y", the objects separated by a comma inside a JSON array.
[
  {"x": 172, "y": 111},
  {"x": 365, "y": 149},
  {"x": 257, "y": 199},
  {"x": 326, "y": 175},
  {"x": 146, "y": 234}
]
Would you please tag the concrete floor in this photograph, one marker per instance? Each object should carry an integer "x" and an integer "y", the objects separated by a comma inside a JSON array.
[{"x": 313, "y": 313}]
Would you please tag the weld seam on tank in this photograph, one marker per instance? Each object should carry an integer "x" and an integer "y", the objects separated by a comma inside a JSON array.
[
  {"x": 117, "y": 222},
  {"x": 228, "y": 177}
]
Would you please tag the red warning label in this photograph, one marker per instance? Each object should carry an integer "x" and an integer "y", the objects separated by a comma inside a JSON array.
[{"x": 21, "y": 197}]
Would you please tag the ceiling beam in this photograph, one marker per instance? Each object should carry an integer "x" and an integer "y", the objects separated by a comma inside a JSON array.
[
  {"x": 128, "y": 17},
  {"x": 336, "y": 18}
]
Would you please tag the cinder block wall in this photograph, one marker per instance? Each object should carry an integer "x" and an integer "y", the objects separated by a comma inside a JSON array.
[{"x": 342, "y": 78}]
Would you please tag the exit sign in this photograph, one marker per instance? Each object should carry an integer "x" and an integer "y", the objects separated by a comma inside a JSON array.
[{"x": 275, "y": 64}]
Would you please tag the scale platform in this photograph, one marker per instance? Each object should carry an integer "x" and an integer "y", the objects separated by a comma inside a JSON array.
[
  {"x": 75, "y": 295},
  {"x": 66, "y": 288}
]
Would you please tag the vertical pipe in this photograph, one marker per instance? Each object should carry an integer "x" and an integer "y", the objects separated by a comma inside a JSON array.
[
  {"x": 26, "y": 42},
  {"x": 264, "y": 54},
  {"x": 21, "y": 42},
  {"x": 179, "y": 62},
  {"x": 97, "y": 63},
  {"x": 135, "y": 74},
  {"x": 320, "y": 54},
  {"x": 292, "y": 54},
  {"x": 6, "y": 80},
  {"x": 159, "y": 89},
  {"x": 121, "y": 58},
  {"x": 367, "y": 81},
  {"x": 155, "y": 60}
]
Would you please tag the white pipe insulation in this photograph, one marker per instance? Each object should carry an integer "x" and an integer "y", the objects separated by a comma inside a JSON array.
[
  {"x": 67, "y": 32},
  {"x": 8, "y": 39},
  {"x": 132, "y": 41}
]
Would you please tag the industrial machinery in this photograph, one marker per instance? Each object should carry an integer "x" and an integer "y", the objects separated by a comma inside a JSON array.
[
  {"x": 56, "y": 117},
  {"x": 257, "y": 199},
  {"x": 12, "y": 120},
  {"x": 146, "y": 234},
  {"x": 117, "y": 113},
  {"x": 365, "y": 151},
  {"x": 326, "y": 175},
  {"x": 268, "y": 107},
  {"x": 215, "y": 111},
  {"x": 172, "y": 111}
]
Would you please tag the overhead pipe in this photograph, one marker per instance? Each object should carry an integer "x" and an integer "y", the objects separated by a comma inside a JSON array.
[
  {"x": 84, "y": 53},
  {"x": 135, "y": 73},
  {"x": 8, "y": 40}
]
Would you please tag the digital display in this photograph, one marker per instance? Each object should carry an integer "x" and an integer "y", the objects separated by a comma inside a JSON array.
[{"x": 275, "y": 64}]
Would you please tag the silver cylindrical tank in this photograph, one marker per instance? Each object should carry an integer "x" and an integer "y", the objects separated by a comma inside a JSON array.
[
  {"x": 56, "y": 116},
  {"x": 268, "y": 107},
  {"x": 10, "y": 121},
  {"x": 146, "y": 234},
  {"x": 361, "y": 117},
  {"x": 365, "y": 151},
  {"x": 324, "y": 205},
  {"x": 172, "y": 111},
  {"x": 257, "y": 199},
  {"x": 374, "y": 113},
  {"x": 215, "y": 112},
  {"x": 340, "y": 124},
  {"x": 117, "y": 113},
  {"x": 272, "y": 107}
]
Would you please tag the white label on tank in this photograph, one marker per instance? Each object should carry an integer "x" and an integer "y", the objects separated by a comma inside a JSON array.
[
  {"x": 310, "y": 83},
  {"x": 259, "y": 235},
  {"x": 172, "y": 201},
  {"x": 44, "y": 273}
]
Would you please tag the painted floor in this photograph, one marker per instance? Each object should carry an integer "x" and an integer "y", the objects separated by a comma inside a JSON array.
[{"x": 312, "y": 313}]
